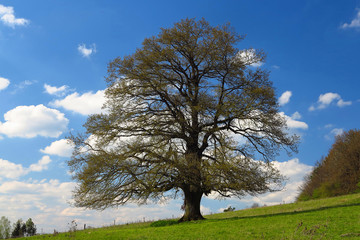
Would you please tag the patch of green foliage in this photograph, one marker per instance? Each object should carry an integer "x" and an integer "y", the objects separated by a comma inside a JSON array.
[
  {"x": 338, "y": 173},
  {"x": 331, "y": 218}
]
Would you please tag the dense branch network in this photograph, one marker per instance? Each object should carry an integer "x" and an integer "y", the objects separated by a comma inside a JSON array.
[{"x": 185, "y": 112}]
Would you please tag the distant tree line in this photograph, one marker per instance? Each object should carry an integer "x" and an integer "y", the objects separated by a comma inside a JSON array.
[
  {"x": 338, "y": 173},
  {"x": 19, "y": 228}
]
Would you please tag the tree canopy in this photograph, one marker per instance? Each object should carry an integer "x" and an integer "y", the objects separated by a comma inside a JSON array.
[
  {"x": 187, "y": 113},
  {"x": 338, "y": 173},
  {"x": 30, "y": 227},
  {"x": 5, "y": 228},
  {"x": 19, "y": 229}
]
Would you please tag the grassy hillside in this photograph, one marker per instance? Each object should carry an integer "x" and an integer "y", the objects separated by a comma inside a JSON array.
[{"x": 332, "y": 218}]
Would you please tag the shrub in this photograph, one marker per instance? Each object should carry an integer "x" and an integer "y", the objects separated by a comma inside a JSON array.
[
  {"x": 255, "y": 205},
  {"x": 229, "y": 209}
]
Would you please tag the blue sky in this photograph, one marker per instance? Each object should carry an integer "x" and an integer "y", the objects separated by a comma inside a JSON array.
[{"x": 53, "y": 60}]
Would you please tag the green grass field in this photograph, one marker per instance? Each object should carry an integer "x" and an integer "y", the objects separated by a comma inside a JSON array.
[{"x": 332, "y": 218}]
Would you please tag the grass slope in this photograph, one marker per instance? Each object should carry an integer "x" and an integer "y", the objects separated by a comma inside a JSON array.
[{"x": 332, "y": 218}]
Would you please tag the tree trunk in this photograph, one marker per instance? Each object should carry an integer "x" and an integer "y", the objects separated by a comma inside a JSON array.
[{"x": 192, "y": 206}]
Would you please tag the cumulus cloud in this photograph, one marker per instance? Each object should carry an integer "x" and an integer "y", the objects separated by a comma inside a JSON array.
[
  {"x": 42, "y": 200},
  {"x": 11, "y": 170},
  {"x": 7, "y": 16},
  {"x": 333, "y": 133},
  {"x": 327, "y": 99},
  {"x": 41, "y": 165},
  {"x": 249, "y": 57},
  {"x": 57, "y": 91},
  {"x": 295, "y": 171},
  {"x": 204, "y": 210},
  {"x": 296, "y": 115},
  {"x": 337, "y": 131},
  {"x": 32, "y": 121},
  {"x": 355, "y": 23},
  {"x": 292, "y": 122},
  {"x": 47, "y": 202},
  {"x": 342, "y": 103},
  {"x": 85, "y": 104},
  {"x": 86, "y": 51},
  {"x": 62, "y": 148},
  {"x": 4, "y": 83},
  {"x": 285, "y": 98}
]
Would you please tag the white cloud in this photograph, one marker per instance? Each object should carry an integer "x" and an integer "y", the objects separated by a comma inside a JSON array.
[
  {"x": 249, "y": 57},
  {"x": 292, "y": 122},
  {"x": 355, "y": 23},
  {"x": 4, "y": 83},
  {"x": 295, "y": 171},
  {"x": 326, "y": 99},
  {"x": 333, "y": 133},
  {"x": 58, "y": 91},
  {"x": 41, "y": 165},
  {"x": 86, "y": 52},
  {"x": 26, "y": 83},
  {"x": 32, "y": 121},
  {"x": 275, "y": 66},
  {"x": 47, "y": 202},
  {"x": 296, "y": 116},
  {"x": 60, "y": 148},
  {"x": 337, "y": 131},
  {"x": 312, "y": 108},
  {"x": 41, "y": 200},
  {"x": 23, "y": 85},
  {"x": 11, "y": 170},
  {"x": 204, "y": 210},
  {"x": 285, "y": 98},
  {"x": 7, "y": 16},
  {"x": 85, "y": 104},
  {"x": 342, "y": 103}
]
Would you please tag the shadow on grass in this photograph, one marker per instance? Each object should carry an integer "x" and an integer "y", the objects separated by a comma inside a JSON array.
[
  {"x": 162, "y": 223},
  {"x": 289, "y": 213}
]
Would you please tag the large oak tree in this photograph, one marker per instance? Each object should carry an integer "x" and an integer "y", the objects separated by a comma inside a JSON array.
[{"x": 187, "y": 113}]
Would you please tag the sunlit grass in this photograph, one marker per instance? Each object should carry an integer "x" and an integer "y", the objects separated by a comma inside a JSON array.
[{"x": 332, "y": 218}]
